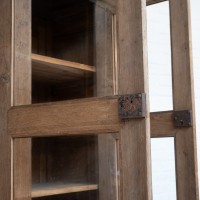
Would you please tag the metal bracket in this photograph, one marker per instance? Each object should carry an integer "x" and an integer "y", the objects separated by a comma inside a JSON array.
[
  {"x": 132, "y": 106},
  {"x": 183, "y": 118}
]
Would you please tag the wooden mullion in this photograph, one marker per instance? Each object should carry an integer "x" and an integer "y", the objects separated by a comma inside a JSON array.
[
  {"x": 108, "y": 164},
  {"x": 22, "y": 169},
  {"x": 21, "y": 96},
  {"x": 133, "y": 78},
  {"x": 183, "y": 99}
]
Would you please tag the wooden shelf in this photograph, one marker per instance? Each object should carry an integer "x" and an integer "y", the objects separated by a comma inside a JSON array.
[
  {"x": 54, "y": 69},
  {"x": 49, "y": 189}
]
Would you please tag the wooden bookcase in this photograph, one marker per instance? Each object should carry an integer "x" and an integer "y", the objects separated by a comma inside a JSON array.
[
  {"x": 56, "y": 143},
  {"x": 63, "y": 55}
]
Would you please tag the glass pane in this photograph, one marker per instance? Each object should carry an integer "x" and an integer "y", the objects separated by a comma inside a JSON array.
[
  {"x": 163, "y": 169},
  {"x": 159, "y": 57}
]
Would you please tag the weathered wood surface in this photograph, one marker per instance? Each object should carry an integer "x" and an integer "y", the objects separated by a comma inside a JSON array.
[
  {"x": 183, "y": 99},
  {"x": 22, "y": 96},
  {"x": 22, "y": 169},
  {"x": 108, "y": 163},
  {"x": 90, "y": 116},
  {"x": 162, "y": 124},
  {"x": 54, "y": 119},
  {"x": 5, "y": 98},
  {"x": 135, "y": 159}
]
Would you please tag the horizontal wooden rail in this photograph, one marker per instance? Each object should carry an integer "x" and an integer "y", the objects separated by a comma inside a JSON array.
[
  {"x": 87, "y": 116},
  {"x": 162, "y": 124},
  {"x": 78, "y": 117}
]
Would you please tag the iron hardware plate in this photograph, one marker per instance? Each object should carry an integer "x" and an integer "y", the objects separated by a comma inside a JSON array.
[
  {"x": 183, "y": 118},
  {"x": 132, "y": 106}
]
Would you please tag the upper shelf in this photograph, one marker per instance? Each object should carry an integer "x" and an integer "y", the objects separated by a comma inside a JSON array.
[
  {"x": 49, "y": 189},
  {"x": 54, "y": 69}
]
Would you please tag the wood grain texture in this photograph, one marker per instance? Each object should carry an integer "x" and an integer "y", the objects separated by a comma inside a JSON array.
[
  {"x": 65, "y": 118},
  {"x": 57, "y": 70},
  {"x": 162, "y": 125},
  {"x": 21, "y": 96},
  {"x": 54, "y": 119},
  {"x": 49, "y": 189},
  {"x": 183, "y": 99},
  {"x": 22, "y": 169},
  {"x": 133, "y": 78},
  {"x": 108, "y": 163},
  {"x": 5, "y": 97},
  {"x": 61, "y": 64}
]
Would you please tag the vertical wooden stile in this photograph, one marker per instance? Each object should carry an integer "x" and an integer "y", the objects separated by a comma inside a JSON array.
[
  {"x": 133, "y": 78},
  {"x": 5, "y": 97},
  {"x": 22, "y": 96},
  {"x": 183, "y": 99},
  {"x": 108, "y": 180}
]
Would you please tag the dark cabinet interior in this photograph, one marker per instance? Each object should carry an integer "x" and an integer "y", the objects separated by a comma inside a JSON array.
[{"x": 63, "y": 60}]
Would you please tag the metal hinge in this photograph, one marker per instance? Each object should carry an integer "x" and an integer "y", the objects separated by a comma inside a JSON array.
[
  {"x": 183, "y": 118},
  {"x": 132, "y": 106}
]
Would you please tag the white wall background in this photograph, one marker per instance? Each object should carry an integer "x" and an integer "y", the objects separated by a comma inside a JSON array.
[{"x": 159, "y": 50}]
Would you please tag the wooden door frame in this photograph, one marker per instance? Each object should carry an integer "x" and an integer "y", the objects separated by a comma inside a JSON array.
[{"x": 15, "y": 80}]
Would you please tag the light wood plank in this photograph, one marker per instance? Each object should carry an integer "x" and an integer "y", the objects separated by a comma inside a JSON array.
[
  {"x": 162, "y": 124},
  {"x": 54, "y": 119},
  {"x": 5, "y": 98},
  {"x": 49, "y": 189},
  {"x": 89, "y": 116},
  {"x": 61, "y": 64},
  {"x": 133, "y": 78},
  {"x": 183, "y": 99},
  {"x": 21, "y": 96},
  {"x": 56, "y": 70}
]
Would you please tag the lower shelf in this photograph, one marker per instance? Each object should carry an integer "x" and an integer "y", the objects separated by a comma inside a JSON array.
[{"x": 49, "y": 189}]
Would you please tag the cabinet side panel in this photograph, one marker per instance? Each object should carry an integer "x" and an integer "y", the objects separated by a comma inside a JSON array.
[{"x": 5, "y": 97}]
